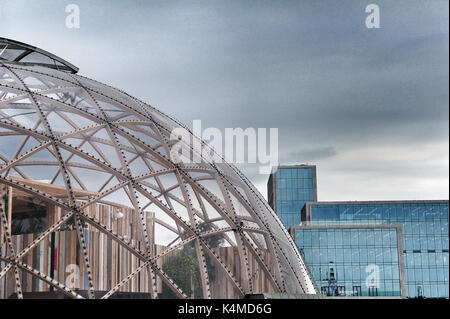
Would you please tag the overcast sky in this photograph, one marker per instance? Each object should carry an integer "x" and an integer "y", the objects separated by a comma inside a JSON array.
[{"x": 369, "y": 107}]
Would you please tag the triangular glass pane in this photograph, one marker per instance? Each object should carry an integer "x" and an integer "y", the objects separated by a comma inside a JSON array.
[{"x": 119, "y": 197}]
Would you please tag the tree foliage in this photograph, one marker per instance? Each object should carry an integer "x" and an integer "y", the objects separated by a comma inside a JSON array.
[{"x": 183, "y": 267}]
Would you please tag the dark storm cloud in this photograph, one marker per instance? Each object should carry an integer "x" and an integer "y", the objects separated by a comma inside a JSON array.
[
  {"x": 310, "y": 68},
  {"x": 310, "y": 154}
]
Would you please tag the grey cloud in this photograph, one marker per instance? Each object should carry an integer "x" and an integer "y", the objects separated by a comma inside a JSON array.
[
  {"x": 309, "y": 68},
  {"x": 309, "y": 154}
]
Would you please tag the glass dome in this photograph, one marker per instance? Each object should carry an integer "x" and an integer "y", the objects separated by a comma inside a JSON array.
[{"x": 93, "y": 206}]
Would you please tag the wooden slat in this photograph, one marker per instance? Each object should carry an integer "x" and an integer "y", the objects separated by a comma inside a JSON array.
[
  {"x": 54, "y": 190},
  {"x": 111, "y": 262}
]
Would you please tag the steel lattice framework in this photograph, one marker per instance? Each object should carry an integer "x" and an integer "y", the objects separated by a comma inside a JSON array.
[{"x": 104, "y": 146}]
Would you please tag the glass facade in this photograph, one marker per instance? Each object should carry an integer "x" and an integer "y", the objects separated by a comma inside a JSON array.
[
  {"x": 356, "y": 261},
  {"x": 424, "y": 227},
  {"x": 289, "y": 188}
]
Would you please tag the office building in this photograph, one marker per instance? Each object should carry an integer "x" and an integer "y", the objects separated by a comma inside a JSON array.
[
  {"x": 355, "y": 236},
  {"x": 342, "y": 259},
  {"x": 289, "y": 188}
]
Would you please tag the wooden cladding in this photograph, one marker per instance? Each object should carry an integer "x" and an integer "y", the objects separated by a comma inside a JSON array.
[{"x": 59, "y": 256}]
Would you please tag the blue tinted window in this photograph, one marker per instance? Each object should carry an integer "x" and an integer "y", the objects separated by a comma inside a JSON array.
[
  {"x": 347, "y": 251},
  {"x": 425, "y": 237}
]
